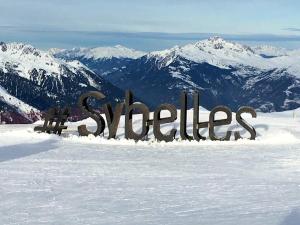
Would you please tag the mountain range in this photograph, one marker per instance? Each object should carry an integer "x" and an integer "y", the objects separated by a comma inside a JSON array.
[
  {"x": 32, "y": 80},
  {"x": 264, "y": 77}
]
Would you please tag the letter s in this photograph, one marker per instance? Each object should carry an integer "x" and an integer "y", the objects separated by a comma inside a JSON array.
[
  {"x": 89, "y": 111},
  {"x": 244, "y": 124}
]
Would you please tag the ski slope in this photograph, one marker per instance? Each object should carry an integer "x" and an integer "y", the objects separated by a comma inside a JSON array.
[{"x": 46, "y": 179}]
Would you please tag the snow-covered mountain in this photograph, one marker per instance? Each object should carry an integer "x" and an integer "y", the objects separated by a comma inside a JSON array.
[
  {"x": 117, "y": 51},
  {"x": 17, "y": 107},
  {"x": 214, "y": 51},
  {"x": 223, "y": 54},
  {"x": 268, "y": 51},
  {"x": 265, "y": 77},
  {"x": 32, "y": 81},
  {"x": 228, "y": 73},
  {"x": 100, "y": 59}
]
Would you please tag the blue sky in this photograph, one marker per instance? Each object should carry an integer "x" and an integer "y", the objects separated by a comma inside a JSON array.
[{"x": 66, "y": 23}]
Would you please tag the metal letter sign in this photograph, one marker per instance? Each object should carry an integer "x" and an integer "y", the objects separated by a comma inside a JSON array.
[
  {"x": 88, "y": 111},
  {"x": 157, "y": 121},
  {"x": 113, "y": 116},
  {"x": 54, "y": 121},
  {"x": 196, "y": 124},
  {"x": 129, "y": 108}
]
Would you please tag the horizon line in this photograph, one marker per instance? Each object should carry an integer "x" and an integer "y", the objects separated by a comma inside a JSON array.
[{"x": 145, "y": 41}]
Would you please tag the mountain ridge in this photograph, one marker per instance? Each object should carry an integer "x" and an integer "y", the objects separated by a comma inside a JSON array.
[
  {"x": 266, "y": 78},
  {"x": 41, "y": 81},
  {"x": 227, "y": 73}
]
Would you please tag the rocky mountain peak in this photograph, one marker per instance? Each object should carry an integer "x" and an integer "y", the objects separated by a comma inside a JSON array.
[
  {"x": 3, "y": 46},
  {"x": 217, "y": 43}
]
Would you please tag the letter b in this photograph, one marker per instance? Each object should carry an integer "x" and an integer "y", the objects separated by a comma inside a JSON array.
[{"x": 129, "y": 108}]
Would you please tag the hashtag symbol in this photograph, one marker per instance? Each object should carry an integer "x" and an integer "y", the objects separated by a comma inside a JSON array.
[{"x": 55, "y": 119}]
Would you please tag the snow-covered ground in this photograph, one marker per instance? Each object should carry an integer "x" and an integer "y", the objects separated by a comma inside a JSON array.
[{"x": 46, "y": 179}]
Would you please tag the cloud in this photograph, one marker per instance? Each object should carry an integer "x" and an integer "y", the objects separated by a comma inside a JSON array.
[
  {"x": 292, "y": 29},
  {"x": 50, "y": 36}
]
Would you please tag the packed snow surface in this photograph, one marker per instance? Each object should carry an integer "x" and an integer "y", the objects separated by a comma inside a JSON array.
[{"x": 46, "y": 179}]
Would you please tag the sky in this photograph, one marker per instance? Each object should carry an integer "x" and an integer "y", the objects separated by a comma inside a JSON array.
[{"x": 148, "y": 24}]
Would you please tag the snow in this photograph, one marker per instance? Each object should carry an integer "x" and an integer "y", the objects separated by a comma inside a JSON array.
[
  {"x": 16, "y": 103},
  {"x": 117, "y": 51},
  {"x": 224, "y": 54},
  {"x": 46, "y": 179},
  {"x": 23, "y": 59},
  {"x": 270, "y": 51},
  {"x": 215, "y": 51}
]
